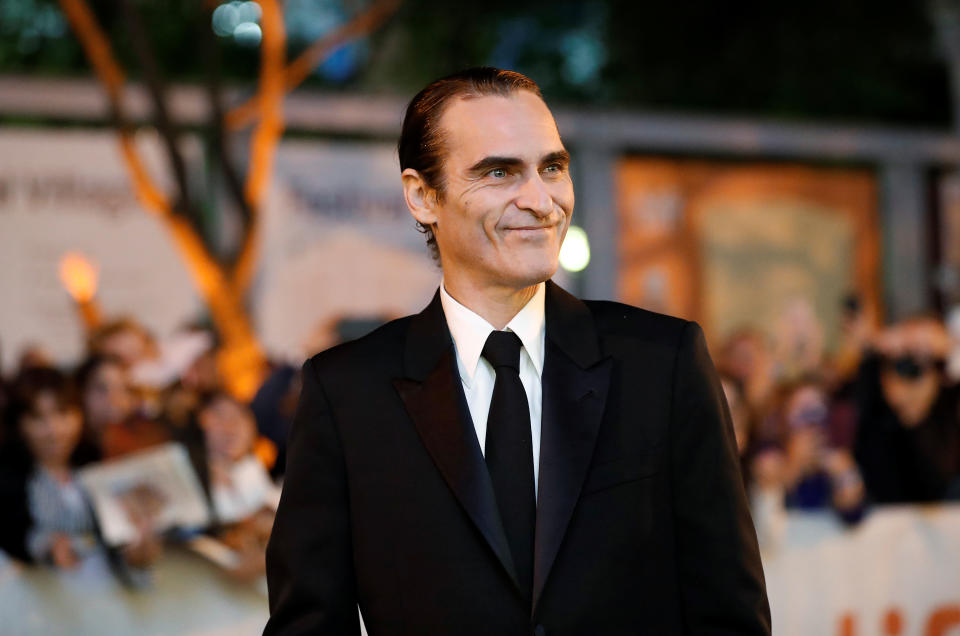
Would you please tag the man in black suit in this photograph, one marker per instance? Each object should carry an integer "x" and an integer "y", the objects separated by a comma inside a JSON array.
[{"x": 511, "y": 460}]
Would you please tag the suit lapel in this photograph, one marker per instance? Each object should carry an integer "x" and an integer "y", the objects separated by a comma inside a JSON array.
[
  {"x": 575, "y": 384},
  {"x": 433, "y": 397}
]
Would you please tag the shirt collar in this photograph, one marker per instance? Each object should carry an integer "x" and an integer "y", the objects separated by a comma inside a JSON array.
[{"x": 469, "y": 331}]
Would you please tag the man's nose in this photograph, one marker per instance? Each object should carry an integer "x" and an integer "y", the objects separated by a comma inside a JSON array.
[{"x": 534, "y": 197}]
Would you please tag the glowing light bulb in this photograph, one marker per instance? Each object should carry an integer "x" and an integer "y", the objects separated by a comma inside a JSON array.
[
  {"x": 247, "y": 34},
  {"x": 225, "y": 19},
  {"x": 79, "y": 276},
  {"x": 575, "y": 251}
]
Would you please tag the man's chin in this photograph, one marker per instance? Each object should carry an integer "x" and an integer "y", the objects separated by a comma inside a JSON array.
[{"x": 533, "y": 274}]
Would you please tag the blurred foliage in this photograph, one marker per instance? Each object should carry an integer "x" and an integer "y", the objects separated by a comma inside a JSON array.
[{"x": 829, "y": 59}]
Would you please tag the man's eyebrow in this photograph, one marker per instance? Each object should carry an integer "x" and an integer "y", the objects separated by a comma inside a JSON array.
[
  {"x": 559, "y": 156},
  {"x": 489, "y": 163}
]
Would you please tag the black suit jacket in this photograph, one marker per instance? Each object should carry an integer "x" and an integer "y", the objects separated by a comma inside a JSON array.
[{"x": 642, "y": 522}]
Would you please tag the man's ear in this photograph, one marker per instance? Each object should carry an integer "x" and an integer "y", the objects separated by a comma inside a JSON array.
[{"x": 421, "y": 198}]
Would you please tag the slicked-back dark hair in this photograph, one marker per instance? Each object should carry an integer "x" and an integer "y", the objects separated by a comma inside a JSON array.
[{"x": 422, "y": 139}]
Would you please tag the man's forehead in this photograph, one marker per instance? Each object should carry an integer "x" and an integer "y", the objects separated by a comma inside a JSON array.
[{"x": 518, "y": 125}]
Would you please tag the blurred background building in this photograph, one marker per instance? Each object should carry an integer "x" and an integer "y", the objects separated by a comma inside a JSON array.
[{"x": 204, "y": 193}]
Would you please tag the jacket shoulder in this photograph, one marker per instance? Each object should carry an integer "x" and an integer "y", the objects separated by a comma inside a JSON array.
[
  {"x": 622, "y": 320},
  {"x": 378, "y": 350}
]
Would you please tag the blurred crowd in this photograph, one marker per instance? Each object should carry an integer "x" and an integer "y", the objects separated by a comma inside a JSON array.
[
  {"x": 132, "y": 394},
  {"x": 876, "y": 422}
]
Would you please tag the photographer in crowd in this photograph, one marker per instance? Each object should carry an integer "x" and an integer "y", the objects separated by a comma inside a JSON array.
[{"x": 908, "y": 433}]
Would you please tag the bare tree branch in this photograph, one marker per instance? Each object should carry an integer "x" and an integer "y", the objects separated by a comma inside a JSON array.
[
  {"x": 266, "y": 134},
  {"x": 111, "y": 76},
  {"x": 241, "y": 357},
  {"x": 303, "y": 65},
  {"x": 165, "y": 125}
]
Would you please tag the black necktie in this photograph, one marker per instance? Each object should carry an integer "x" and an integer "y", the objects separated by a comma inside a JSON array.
[{"x": 509, "y": 452}]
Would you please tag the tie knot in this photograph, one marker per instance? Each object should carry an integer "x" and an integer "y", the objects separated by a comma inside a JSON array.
[{"x": 502, "y": 349}]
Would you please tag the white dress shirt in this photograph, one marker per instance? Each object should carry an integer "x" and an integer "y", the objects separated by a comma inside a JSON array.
[{"x": 469, "y": 332}]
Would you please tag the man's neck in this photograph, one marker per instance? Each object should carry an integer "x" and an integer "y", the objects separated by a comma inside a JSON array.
[{"x": 496, "y": 304}]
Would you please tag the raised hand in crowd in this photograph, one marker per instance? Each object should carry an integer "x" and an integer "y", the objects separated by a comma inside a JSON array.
[{"x": 62, "y": 554}]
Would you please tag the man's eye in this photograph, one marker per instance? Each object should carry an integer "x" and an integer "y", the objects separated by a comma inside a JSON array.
[
  {"x": 554, "y": 168},
  {"x": 497, "y": 173}
]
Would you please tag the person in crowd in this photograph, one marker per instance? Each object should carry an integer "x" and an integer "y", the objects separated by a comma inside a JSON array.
[
  {"x": 857, "y": 331},
  {"x": 816, "y": 475},
  {"x": 798, "y": 339},
  {"x": 114, "y": 422},
  {"x": 243, "y": 498},
  {"x": 275, "y": 403},
  {"x": 33, "y": 356},
  {"x": 202, "y": 375},
  {"x": 124, "y": 339},
  {"x": 746, "y": 355},
  {"x": 274, "y": 406},
  {"x": 196, "y": 374},
  {"x": 908, "y": 435},
  {"x": 735, "y": 394},
  {"x": 793, "y": 463},
  {"x": 742, "y": 417},
  {"x": 840, "y": 370},
  {"x": 48, "y": 518}
]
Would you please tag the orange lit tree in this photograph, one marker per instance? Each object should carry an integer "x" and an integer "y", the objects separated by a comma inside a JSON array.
[{"x": 222, "y": 282}]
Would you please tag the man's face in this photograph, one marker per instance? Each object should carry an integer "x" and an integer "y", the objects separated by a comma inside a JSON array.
[{"x": 508, "y": 197}]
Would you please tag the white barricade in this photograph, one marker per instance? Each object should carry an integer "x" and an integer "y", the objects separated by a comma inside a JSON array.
[{"x": 895, "y": 574}]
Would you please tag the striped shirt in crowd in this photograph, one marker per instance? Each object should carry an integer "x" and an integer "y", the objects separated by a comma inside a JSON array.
[{"x": 58, "y": 507}]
